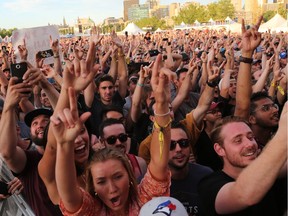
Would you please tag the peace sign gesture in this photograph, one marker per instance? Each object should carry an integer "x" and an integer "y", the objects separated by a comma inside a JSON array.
[{"x": 66, "y": 124}]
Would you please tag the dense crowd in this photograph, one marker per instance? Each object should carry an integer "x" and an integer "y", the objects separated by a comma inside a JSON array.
[{"x": 118, "y": 120}]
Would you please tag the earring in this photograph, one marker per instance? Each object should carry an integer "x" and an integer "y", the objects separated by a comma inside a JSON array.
[{"x": 96, "y": 194}]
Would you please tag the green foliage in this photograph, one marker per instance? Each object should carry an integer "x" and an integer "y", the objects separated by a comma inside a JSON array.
[
  {"x": 4, "y": 32},
  {"x": 216, "y": 10},
  {"x": 268, "y": 15},
  {"x": 190, "y": 14},
  {"x": 152, "y": 22}
]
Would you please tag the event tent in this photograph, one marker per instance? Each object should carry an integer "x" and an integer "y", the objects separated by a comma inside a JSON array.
[
  {"x": 133, "y": 29},
  {"x": 276, "y": 23}
]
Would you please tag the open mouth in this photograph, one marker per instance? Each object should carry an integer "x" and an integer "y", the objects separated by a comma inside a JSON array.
[
  {"x": 115, "y": 201},
  {"x": 80, "y": 149}
]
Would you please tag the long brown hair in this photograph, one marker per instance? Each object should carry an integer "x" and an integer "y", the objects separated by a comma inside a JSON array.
[{"x": 108, "y": 154}]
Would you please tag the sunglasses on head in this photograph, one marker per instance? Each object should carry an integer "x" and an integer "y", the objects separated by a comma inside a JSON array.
[
  {"x": 183, "y": 143},
  {"x": 111, "y": 140}
]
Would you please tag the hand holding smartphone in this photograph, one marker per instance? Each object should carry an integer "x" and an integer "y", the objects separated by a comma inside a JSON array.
[{"x": 18, "y": 70}]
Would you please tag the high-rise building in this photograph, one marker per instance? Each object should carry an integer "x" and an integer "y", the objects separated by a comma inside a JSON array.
[
  {"x": 153, "y": 3},
  {"x": 174, "y": 9},
  {"x": 127, "y": 4},
  {"x": 136, "y": 12},
  {"x": 251, "y": 13}
]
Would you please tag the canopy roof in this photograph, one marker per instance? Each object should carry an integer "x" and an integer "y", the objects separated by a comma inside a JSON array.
[
  {"x": 275, "y": 23},
  {"x": 132, "y": 28}
]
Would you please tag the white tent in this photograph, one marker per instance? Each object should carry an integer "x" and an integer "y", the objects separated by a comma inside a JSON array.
[
  {"x": 211, "y": 20},
  {"x": 277, "y": 23},
  {"x": 235, "y": 27},
  {"x": 197, "y": 22},
  {"x": 183, "y": 24},
  {"x": 159, "y": 30},
  {"x": 133, "y": 29}
]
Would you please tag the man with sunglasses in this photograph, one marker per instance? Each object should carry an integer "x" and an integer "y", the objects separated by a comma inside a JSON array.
[
  {"x": 264, "y": 117},
  {"x": 185, "y": 176},
  {"x": 113, "y": 135}
]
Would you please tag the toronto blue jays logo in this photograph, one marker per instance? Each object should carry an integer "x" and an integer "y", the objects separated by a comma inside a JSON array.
[{"x": 165, "y": 208}]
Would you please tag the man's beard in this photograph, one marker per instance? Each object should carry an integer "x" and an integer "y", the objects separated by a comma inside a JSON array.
[{"x": 38, "y": 141}]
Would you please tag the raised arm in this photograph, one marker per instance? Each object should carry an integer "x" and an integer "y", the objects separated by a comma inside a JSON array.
[
  {"x": 161, "y": 135},
  {"x": 66, "y": 126},
  {"x": 251, "y": 38},
  {"x": 14, "y": 156},
  {"x": 207, "y": 95},
  {"x": 260, "y": 84},
  {"x": 185, "y": 87},
  {"x": 122, "y": 67},
  {"x": 136, "y": 108}
]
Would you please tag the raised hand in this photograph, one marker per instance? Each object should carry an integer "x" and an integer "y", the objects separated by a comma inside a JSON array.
[
  {"x": 251, "y": 38},
  {"x": 78, "y": 82},
  {"x": 54, "y": 45},
  {"x": 23, "y": 51},
  {"x": 15, "y": 92},
  {"x": 160, "y": 81},
  {"x": 66, "y": 124}
]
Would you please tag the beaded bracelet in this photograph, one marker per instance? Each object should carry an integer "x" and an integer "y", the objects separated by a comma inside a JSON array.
[{"x": 161, "y": 115}]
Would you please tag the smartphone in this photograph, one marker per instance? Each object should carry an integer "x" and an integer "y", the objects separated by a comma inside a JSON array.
[
  {"x": 18, "y": 70},
  {"x": 4, "y": 188},
  {"x": 45, "y": 54},
  {"x": 153, "y": 53}
]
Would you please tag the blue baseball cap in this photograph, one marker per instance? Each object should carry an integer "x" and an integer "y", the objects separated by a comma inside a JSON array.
[{"x": 283, "y": 55}]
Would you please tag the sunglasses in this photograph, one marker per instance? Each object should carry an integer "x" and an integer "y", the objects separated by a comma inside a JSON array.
[
  {"x": 183, "y": 143},
  {"x": 111, "y": 140}
]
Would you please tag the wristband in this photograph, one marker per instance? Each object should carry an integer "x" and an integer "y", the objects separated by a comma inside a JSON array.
[
  {"x": 161, "y": 115},
  {"x": 56, "y": 56},
  {"x": 246, "y": 60},
  {"x": 281, "y": 90},
  {"x": 161, "y": 135},
  {"x": 140, "y": 84},
  {"x": 211, "y": 84}
]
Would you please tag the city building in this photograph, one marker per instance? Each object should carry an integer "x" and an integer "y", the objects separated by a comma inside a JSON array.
[
  {"x": 153, "y": 4},
  {"x": 83, "y": 24},
  {"x": 127, "y": 4},
  {"x": 160, "y": 11},
  {"x": 174, "y": 9},
  {"x": 252, "y": 11},
  {"x": 113, "y": 21},
  {"x": 136, "y": 12}
]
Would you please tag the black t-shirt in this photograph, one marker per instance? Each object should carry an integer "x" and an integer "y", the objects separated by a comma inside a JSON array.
[
  {"x": 271, "y": 204},
  {"x": 205, "y": 153},
  {"x": 185, "y": 190},
  {"x": 97, "y": 109}
]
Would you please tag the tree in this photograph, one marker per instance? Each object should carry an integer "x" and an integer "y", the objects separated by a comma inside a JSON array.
[
  {"x": 191, "y": 13},
  {"x": 221, "y": 9},
  {"x": 152, "y": 22},
  {"x": 8, "y": 32},
  {"x": 268, "y": 15}
]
